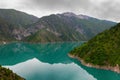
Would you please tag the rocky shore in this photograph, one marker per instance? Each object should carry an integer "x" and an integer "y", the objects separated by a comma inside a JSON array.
[{"x": 107, "y": 67}]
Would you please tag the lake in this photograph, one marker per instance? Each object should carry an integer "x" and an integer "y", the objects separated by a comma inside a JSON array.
[{"x": 49, "y": 61}]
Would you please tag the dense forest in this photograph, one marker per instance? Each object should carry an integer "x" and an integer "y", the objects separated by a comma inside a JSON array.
[
  {"x": 103, "y": 49},
  {"x": 6, "y": 74}
]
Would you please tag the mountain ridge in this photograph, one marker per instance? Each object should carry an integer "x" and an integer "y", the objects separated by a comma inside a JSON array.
[
  {"x": 69, "y": 24},
  {"x": 64, "y": 27},
  {"x": 16, "y": 17}
]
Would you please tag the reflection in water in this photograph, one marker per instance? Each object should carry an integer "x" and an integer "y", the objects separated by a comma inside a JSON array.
[
  {"x": 12, "y": 54},
  {"x": 99, "y": 74},
  {"x": 49, "y": 62},
  {"x": 36, "y": 70}
]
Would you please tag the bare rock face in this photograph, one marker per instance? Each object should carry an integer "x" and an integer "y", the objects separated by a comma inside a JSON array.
[
  {"x": 83, "y": 17},
  {"x": 69, "y": 14},
  {"x": 18, "y": 33},
  {"x": 117, "y": 68},
  {"x": 21, "y": 32}
]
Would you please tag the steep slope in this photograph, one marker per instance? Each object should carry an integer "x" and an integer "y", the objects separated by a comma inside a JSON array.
[
  {"x": 6, "y": 31},
  {"x": 102, "y": 50},
  {"x": 17, "y": 18},
  {"x": 56, "y": 26},
  {"x": 13, "y": 24},
  {"x": 68, "y": 27},
  {"x": 17, "y": 25},
  {"x": 6, "y": 74},
  {"x": 86, "y": 25},
  {"x": 43, "y": 36}
]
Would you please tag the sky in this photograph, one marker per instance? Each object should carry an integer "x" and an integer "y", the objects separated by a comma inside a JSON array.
[{"x": 103, "y": 9}]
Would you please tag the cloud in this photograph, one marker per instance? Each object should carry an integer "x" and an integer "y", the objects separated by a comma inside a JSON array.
[
  {"x": 109, "y": 10},
  {"x": 105, "y": 9},
  {"x": 59, "y": 4},
  {"x": 9, "y": 4},
  {"x": 56, "y": 6},
  {"x": 46, "y": 7}
]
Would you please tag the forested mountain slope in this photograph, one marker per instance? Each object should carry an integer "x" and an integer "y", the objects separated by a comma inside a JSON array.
[{"x": 103, "y": 49}]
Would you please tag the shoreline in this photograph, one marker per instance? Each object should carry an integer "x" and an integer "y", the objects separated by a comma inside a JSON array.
[
  {"x": 8, "y": 42},
  {"x": 111, "y": 68}
]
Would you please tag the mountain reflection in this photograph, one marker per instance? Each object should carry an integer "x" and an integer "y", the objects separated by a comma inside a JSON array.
[
  {"x": 14, "y": 53},
  {"x": 49, "y": 59}
]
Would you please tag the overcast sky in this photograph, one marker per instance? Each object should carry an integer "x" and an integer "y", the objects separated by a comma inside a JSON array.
[{"x": 103, "y": 9}]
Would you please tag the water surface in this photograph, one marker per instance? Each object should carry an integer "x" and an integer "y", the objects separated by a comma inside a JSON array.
[{"x": 49, "y": 61}]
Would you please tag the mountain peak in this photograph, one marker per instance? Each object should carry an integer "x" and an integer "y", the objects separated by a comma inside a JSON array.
[
  {"x": 81, "y": 16},
  {"x": 69, "y": 14}
]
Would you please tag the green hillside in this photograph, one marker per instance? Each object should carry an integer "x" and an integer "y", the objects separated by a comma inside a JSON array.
[
  {"x": 6, "y": 31},
  {"x": 103, "y": 49},
  {"x": 6, "y": 74},
  {"x": 17, "y": 18}
]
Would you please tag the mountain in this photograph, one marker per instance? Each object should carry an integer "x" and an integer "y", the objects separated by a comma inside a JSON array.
[
  {"x": 13, "y": 23},
  {"x": 17, "y": 18},
  {"x": 66, "y": 27},
  {"x": 19, "y": 26},
  {"x": 102, "y": 50},
  {"x": 6, "y": 74},
  {"x": 6, "y": 31}
]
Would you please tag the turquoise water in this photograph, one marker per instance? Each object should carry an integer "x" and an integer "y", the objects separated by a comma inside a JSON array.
[{"x": 49, "y": 61}]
